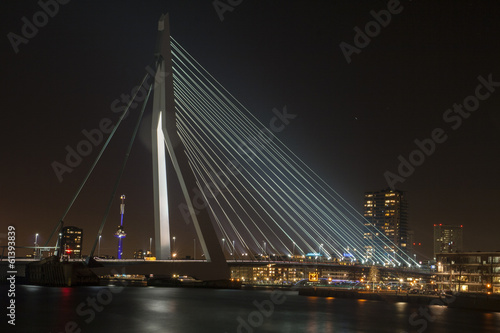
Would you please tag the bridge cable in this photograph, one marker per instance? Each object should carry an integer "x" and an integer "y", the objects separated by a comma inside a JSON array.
[
  {"x": 61, "y": 221},
  {"x": 120, "y": 174}
]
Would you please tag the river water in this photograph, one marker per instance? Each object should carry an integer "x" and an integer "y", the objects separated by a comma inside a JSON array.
[{"x": 154, "y": 309}]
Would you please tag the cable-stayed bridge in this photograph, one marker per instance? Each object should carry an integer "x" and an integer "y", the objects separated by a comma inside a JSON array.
[
  {"x": 245, "y": 191},
  {"x": 257, "y": 190}
]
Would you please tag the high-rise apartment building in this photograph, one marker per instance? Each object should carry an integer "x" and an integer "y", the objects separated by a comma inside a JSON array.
[
  {"x": 448, "y": 238},
  {"x": 71, "y": 241},
  {"x": 387, "y": 214}
]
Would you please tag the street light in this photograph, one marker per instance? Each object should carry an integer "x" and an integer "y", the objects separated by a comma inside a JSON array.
[
  {"x": 36, "y": 245},
  {"x": 223, "y": 246},
  {"x": 293, "y": 251},
  {"x": 233, "y": 250},
  {"x": 173, "y": 248},
  {"x": 150, "y": 242},
  {"x": 59, "y": 249},
  {"x": 99, "y": 248}
]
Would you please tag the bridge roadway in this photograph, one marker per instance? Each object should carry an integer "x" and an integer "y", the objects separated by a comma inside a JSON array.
[
  {"x": 312, "y": 265},
  {"x": 203, "y": 270}
]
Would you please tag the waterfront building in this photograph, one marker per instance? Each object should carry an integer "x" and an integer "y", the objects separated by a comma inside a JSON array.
[
  {"x": 468, "y": 271},
  {"x": 71, "y": 241}
]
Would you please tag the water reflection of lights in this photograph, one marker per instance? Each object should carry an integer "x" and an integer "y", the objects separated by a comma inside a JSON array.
[
  {"x": 401, "y": 305},
  {"x": 163, "y": 306},
  {"x": 31, "y": 288},
  {"x": 438, "y": 309}
]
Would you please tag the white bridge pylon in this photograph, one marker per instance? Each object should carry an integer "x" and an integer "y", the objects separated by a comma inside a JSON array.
[{"x": 166, "y": 143}]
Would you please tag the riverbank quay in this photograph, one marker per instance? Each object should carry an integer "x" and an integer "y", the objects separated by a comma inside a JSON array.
[{"x": 473, "y": 301}]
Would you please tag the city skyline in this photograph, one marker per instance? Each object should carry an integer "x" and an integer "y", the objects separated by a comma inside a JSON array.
[{"x": 354, "y": 119}]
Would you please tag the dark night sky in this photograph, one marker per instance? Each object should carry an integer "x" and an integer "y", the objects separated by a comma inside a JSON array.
[{"x": 353, "y": 120}]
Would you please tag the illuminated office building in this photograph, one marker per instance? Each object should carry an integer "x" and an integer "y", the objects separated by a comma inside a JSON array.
[
  {"x": 72, "y": 240},
  {"x": 447, "y": 238}
]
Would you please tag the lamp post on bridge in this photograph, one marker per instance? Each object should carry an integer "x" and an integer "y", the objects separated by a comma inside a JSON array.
[
  {"x": 174, "y": 254},
  {"x": 224, "y": 247},
  {"x": 293, "y": 251},
  {"x": 59, "y": 249},
  {"x": 99, "y": 248},
  {"x": 36, "y": 245}
]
